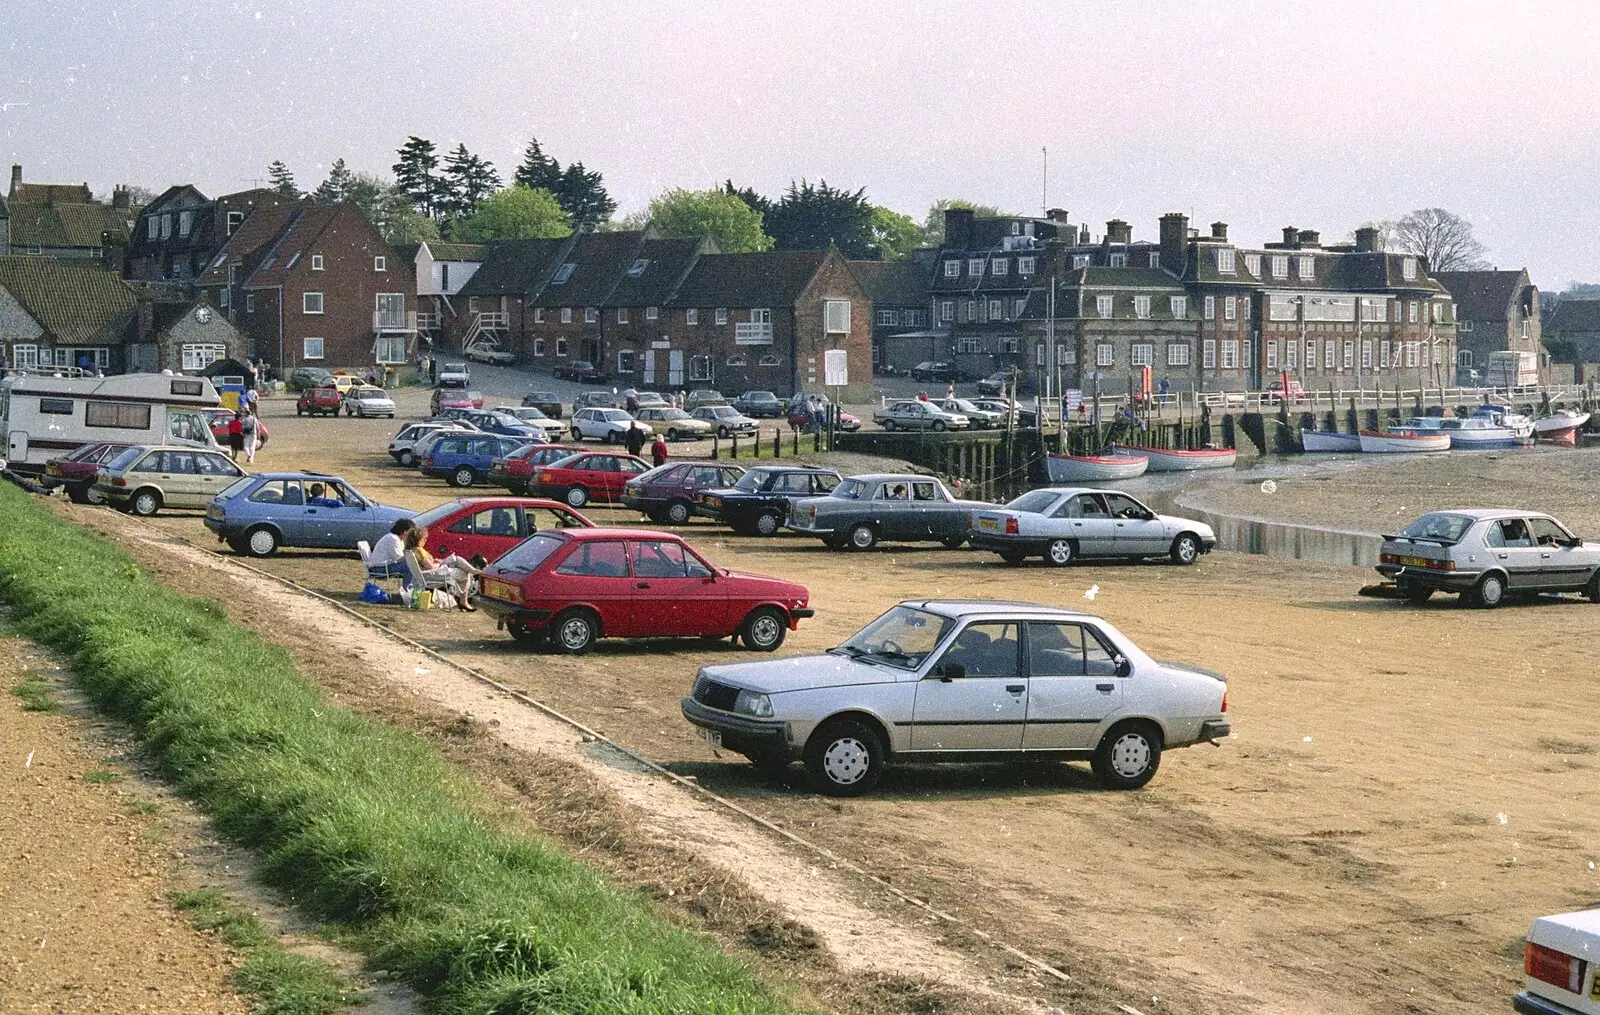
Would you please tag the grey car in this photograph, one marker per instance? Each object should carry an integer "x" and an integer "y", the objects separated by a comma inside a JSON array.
[
  {"x": 1062, "y": 524},
  {"x": 917, "y": 414},
  {"x": 1486, "y": 554},
  {"x": 865, "y": 510},
  {"x": 981, "y": 418}
]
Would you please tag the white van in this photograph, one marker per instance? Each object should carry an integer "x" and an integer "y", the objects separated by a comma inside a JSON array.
[
  {"x": 1510, "y": 369},
  {"x": 46, "y": 417}
]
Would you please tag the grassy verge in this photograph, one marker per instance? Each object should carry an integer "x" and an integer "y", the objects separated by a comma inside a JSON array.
[
  {"x": 364, "y": 826},
  {"x": 280, "y": 982}
]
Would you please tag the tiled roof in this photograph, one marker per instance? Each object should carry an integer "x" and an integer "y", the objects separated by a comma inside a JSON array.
[
  {"x": 599, "y": 261},
  {"x": 45, "y": 193},
  {"x": 772, "y": 278},
  {"x": 1572, "y": 316},
  {"x": 1124, "y": 278},
  {"x": 67, "y": 225},
  {"x": 516, "y": 267},
  {"x": 456, "y": 251},
  {"x": 75, "y": 300},
  {"x": 260, "y": 229},
  {"x": 667, "y": 263},
  {"x": 893, "y": 283},
  {"x": 294, "y": 244},
  {"x": 1483, "y": 295}
]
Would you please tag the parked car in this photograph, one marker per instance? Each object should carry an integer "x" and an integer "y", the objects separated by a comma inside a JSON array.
[
  {"x": 597, "y": 400},
  {"x": 1487, "y": 554},
  {"x": 667, "y": 492},
  {"x": 261, "y": 513},
  {"x": 1561, "y": 960},
  {"x": 645, "y": 399},
  {"x": 465, "y": 459},
  {"x": 1062, "y": 524},
  {"x": 1296, "y": 391},
  {"x": 576, "y": 586},
  {"x": 515, "y": 470},
  {"x": 547, "y": 402},
  {"x": 218, "y": 419},
  {"x": 958, "y": 680},
  {"x": 1022, "y": 416},
  {"x": 760, "y": 404},
  {"x": 504, "y": 424},
  {"x": 609, "y": 425},
  {"x": 76, "y": 470},
  {"x": 365, "y": 401},
  {"x": 581, "y": 370},
  {"x": 703, "y": 396},
  {"x": 580, "y": 478},
  {"x": 727, "y": 420},
  {"x": 864, "y": 510},
  {"x": 143, "y": 480},
  {"x": 917, "y": 414},
  {"x": 483, "y": 354},
  {"x": 799, "y": 416},
  {"x": 491, "y": 526},
  {"x": 324, "y": 401},
  {"x": 528, "y": 415},
  {"x": 454, "y": 398},
  {"x": 979, "y": 417},
  {"x": 759, "y": 502},
  {"x": 405, "y": 445},
  {"x": 302, "y": 378},
  {"x": 675, "y": 423},
  {"x": 935, "y": 370},
  {"x": 345, "y": 381},
  {"x": 453, "y": 375}
]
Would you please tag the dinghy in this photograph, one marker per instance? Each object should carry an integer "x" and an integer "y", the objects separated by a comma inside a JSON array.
[
  {"x": 1403, "y": 441},
  {"x": 1096, "y": 468},
  {"x": 1560, "y": 427},
  {"x": 1329, "y": 440}
]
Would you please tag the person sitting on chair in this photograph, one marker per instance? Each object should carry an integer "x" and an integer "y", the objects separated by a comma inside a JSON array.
[
  {"x": 456, "y": 572},
  {"x": 391, "y": 549}
]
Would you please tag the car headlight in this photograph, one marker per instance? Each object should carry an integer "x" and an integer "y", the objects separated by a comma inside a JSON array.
[{"x": 753, "y": 704}]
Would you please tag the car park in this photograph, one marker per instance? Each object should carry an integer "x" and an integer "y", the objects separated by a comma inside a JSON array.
[
  {"x": 503, "y": 423},
  {"x": 726, "y": 420},
  {"x": 76, "y": 470},
  {"x": 547, "y": 402},
  {"x": 262, "y": 513},
  {"x": 935, "y": 370},
  {"x": 760, "y": 404},
  {"x": 1488, "y": 554},
  {"x": 143, "y": 480},
  {"x": 453, "y": 375},
  {"x": 490, "y": 526},
  {"x": 864, "y": 510},
  {"x": 576, "y": 586},
  {"x": 703, "y": 396},
  {"x": 515, "y": 470},
  {"x": 979, "y": 417},
  {"x": 962, "y": 680},
  {"x": 528, "y": 415},
  {"x": 465, "y": 459},
  {"x": 323, "y": 401},
  {"x": 675, "y": 424},
  {"x": 588, "y": 476},
  {"x": 406, "y": 444},
  {"x": 1561, "y": 964},
  {"x": 582, "y": 371},
  {"x": 366, "y": 401},
  {"x": 1063, "y": 524},
  {"x": 667, "y": 492},
  {"x": 919, "y": 414},
  {"x": 800, "y": 415},
  {"x": 301, "y": 378},
  {"x": 609, "y": 425},
  {"x": 759, "y": 502},
  {"x": 454, "y": 398}
]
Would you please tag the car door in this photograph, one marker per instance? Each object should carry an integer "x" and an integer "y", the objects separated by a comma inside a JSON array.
[
  {"x": 489, "y": 531},
  {"x": 217, "y": 473},
  {"x": 974, "y": 697},
  {"x": 1085, "y": 518},
  {"x": 1137, "y": 532},
  {"x": 282, "y": 502},
  {"x": 891, "y": 510},
  {"x": 939, "y": 518},
  {"x": 1072, "y": 685},
  {"x": 1562, "y": 566},
  {"x": 595, "y": 571},
  {"x": 683, "y": 596},
  {"x": 1512, "y": 545},
  {"x": 181, "y": 482}
]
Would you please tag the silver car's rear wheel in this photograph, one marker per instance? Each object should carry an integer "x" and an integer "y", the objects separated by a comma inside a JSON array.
[
  {"x": 1060, "y": 553},
  {"x": 407, "y": 459},
  {"x": 1491, "y": 591},
  {"x": 1128, "y": 756}
]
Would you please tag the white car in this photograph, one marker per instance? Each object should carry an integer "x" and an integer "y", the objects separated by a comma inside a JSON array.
[
  {"x": 726, "y": 419},
  {"x": 609, "y": 425},
  {"x": 1561, "y": 959},
  {"x": 553, "y": 429},
  {"x": 407, "y": 446},
  {"x": 368, "y": 401},
  {"x": 453, "y": 375},
  {"x": 482, "y": 354},
  {"x": 980, "y": 417},
  {"x": 962, "y": 680},
  {"x": 1062, "y": 524},
  {"x": 916, "y": 414}
]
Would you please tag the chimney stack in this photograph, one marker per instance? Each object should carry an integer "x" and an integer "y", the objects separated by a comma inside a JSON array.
[
  {"x": 1174, "y": 234},
  {"x": 16, "y": 178},
  {"x": 958, "y": 227},
  {"x": 1056, "y": 214},
  {"x": 1309, "y": 238},
  {"x": 120, "y": 197},
  {"x": 1219, "y": 231},
  {"x": 1084, "y": 239},
  {"x": 1118, "y": 231},
  {"x": 1291, "y": 237},
  {"x": 1366, "y": 240}
]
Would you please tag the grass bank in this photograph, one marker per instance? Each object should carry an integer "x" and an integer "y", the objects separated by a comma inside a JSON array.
[
  {"x": 279, "y": 981},
  {"x": 362, "y": 825}
]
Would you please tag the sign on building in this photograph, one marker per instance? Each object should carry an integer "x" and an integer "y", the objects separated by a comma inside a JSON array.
[{"x": 836, "y": 367}]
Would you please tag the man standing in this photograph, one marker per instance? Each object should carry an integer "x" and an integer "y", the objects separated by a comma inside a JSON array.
[{"x": 634, "y": 440}]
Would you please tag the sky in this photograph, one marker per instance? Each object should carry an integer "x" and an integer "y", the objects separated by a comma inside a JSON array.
[{"x": 1320, "y": 115}]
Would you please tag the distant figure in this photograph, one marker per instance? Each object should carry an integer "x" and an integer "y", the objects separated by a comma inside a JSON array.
[
  {"x": 950, "y": 392},
  {"x": 634, "y": 439},
  {"x": 632, "y": 404},
  {"x": 236, "y": 434},
  {"x": 1164, "y": 387},
  {"x": 250, "y": 431},
  {"x": 658, "y": 451}
]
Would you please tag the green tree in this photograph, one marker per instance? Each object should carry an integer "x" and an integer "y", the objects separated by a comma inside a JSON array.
[
  {"x": 583, "y": 194},
  {"x": 812, "y": 217},
  {"x": 933, "y": 225},
  {"x": 468, "y": 180},
  {"x": 895, "y": 236},
  {"x": 538, "y": 170},
  {"x": 415, "y": 174},
  {"x": 281, "y": 179},
  {"x": 334, "y": 189},
  {"x": 758, "y": 202},
  {"x": 729, "y": 221},
  {"x": 402, "y": 223},
  {"x": 518, "y": 213}
]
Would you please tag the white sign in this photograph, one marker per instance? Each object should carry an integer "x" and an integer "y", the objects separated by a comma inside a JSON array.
[
  {"x": 836, "y": 367},
  {"x": 1071, "y": 399},
  {"x": 661, "y": 344}
]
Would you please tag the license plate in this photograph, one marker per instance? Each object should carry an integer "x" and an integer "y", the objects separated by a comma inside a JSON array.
[
  {"x": 988, "y": 524},
  {"x": 1417, "y": 562},
  {"x": 711, "y": 737},
  {"x": 500, "y": 590}
]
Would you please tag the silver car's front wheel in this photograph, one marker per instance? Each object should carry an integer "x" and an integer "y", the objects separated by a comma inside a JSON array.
[{"x": 845, "y": 757}]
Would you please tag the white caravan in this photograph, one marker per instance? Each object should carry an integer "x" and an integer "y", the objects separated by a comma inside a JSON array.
[{"x": 46, "y": 417}]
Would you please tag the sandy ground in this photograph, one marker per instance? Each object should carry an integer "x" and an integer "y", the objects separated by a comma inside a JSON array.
[{"x": 1409, "y": 786}]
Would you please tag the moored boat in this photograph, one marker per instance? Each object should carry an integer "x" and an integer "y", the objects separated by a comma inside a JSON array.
[
  {"x": 1329, "y": 440},
  {"x": 1096, "y": 468},
  {"x": 1561, "y": 426},
  {"x": 1520, "y": 426},
  {"x": 1168, "y": 460},
  {"x": 1478, "y": 432},
  {"x": 1403, "y": 441}
]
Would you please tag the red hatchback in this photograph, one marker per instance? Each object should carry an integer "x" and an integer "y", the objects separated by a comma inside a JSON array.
[
  {"x": 585, "y": 476},
  {"x": 576, "y": 586},
  {"x": 319, "y": 402},
  {"x": 492, "y": 525},
  {"x": 515, "y": 470},
  {"x": 76, "y": 470}
]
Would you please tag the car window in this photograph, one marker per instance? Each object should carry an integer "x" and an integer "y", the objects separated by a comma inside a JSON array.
[
  {"x": 1546, "y": 532},
  {"x": 1033, "y": 502},
  {"x": 1511, "y": 532},
  {"x": 987, "y": 649},
  {"x": 794, "y": 482},
  {"x": 497, "y": 521},
  {"x": 539, "y": 518},
  {"x": 703, "y": 475},
  {"x": 1447, "y": 527},
  {"x": 658, "y": 559},
  {"x": 850, "y": 489},
  {"x": 1084, "y": 505},
  {"x": 902, "y": 638},
  {"x": 596, "y": 560},
  {"x": 893, "y": 491},
  {"x": 216, "y": 465},
  {"x": 628, "y": 467},
  {"x": 924, "y": 491},
  {"x": 278, "y": 491},
  {"x": 822, "y": 483},
  {"x": 155, "y": 461},
  {"x": 1123, "y": 506}
]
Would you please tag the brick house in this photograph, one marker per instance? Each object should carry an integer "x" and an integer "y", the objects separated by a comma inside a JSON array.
[
  {"x": 177, "y": 235},
  {"x": 636, "y": 320},
  {"x": 495, "y": 303},
  {"x": 64, "y": 312},
  {"x": 184, "y": 335},
  {"x": 902, "y": 329},
  {"x": 62, "y": 220},
  {"x": 1496, "y": 311}
]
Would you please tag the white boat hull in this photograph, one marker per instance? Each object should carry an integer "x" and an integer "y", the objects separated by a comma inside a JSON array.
[
  {"x": 1498, "y": 437},
  {"x": 1164, "y": 460},
  {"x": 1400, "y": 442},
  {"x": 1561, "y": 428},
  {"x": 1329, "y": 440},
  {"x": 1095, "y": 468}
]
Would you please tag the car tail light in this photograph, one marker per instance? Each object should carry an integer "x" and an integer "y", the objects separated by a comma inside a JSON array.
[
  {"x": 119, "y": 481},
  {"x": 1224, "y": 700},
  {"x": 1555, "y": 968},
  {"x": 1011, "y": 526},
  {"x": 427, "y": 462},
  {"x": 1388, "y": 558}
]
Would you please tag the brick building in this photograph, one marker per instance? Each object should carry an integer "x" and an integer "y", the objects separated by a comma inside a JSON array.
[
  {"x": 1576, "y": 321},
  {"x": 177, "y": 235},
  {"x": 64, "y": 312},
  {"x": 903, "y": 334},
  {"x": 62, "y": 220},
  {"x": 1496, "y": 311}
]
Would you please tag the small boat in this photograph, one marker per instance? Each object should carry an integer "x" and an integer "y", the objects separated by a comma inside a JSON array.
[
  {"x": 1478, "y": 432},
  {"x": 1403, "y": 441},
  {"x": 1521, "y": 426},
  {"x": 1329, "y": 440},
  {"x": 1096, "y": 468},
  {"x": 1164, "y": 460},
  {"x": 1422, "y": 423},
  {"x": 1561, "y": 426}
]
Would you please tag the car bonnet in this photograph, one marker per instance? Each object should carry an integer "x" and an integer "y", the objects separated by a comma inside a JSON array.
[{"x": 799, "y": 673}]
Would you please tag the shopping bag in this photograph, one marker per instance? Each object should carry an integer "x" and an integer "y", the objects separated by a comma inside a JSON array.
[
  {"x": 421, "y": 599},
  {"x": 373, "y": 593}
]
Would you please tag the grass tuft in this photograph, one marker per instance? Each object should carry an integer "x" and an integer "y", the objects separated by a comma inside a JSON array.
[
  {"x": 281, "y": 982},
  {"x": 37, "y": 694},
  {"x": 101, "y": 775}
]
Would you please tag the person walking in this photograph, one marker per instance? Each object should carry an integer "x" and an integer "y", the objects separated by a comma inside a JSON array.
[
  {"x": 658, "y": 451},
  {"x": 633, "y": 440},
  {"x": 236, "y": 434},
  {"x": 249, "y": 432}
]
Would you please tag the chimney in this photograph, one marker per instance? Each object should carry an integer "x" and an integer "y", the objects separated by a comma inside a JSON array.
[
  {"x": 1219, "y": 231},
  {"x": 120, "y": 197},
  {"x": 1366, "y": 240},
  {"x": 958, "y": 228},
  {"x": 1309, "y": 238},
  {"x": 16, "y": 178},
  {"x": 1084, "y": 239},
  {"x": 147, "y": 318},
  {"x": 1291, "y": 237},
  {"x": 1118, "y": 231},
  {"x": 1174, "y": 233},
  {"x": 1056, "y": 214}
]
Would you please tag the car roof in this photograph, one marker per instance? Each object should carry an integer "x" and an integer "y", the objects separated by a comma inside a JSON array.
[
  {"x": 173, "y": 447},
  {"x": 1076, "y": 489},
  {"x": 1490, "y": 514},
  {"x": 296, "y": 475},
  {"x": 795, "y": 468},
  {"x": 878, "y": 477},
  {"x": 957, "y": 609},
  {"x": 467, "y": 502},
  {"x": 603, "y": 532}
]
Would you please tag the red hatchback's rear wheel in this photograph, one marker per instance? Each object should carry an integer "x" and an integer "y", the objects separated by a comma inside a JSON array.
[{"x": 575, "y": 631}]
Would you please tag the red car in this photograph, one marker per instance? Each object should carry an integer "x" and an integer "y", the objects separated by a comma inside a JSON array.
[
  {"x": 581, "y": 370},
  {"x": 576, "y": 586},
  {"x": 516, "y": 469},
  {"x": 76, "y": 470},
  {"x": 585, "y": 476},
  {"x": 456, "y": 398},
  {"x": 319, "y": 402},
  {"x": 492, "y": 525}
]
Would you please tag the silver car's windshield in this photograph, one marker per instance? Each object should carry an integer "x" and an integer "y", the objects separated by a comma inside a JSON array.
[
  {"x": 903, "y": 638},
  {"x": 1034, "y": 501},
  {"x": 1446, "y": 528}
]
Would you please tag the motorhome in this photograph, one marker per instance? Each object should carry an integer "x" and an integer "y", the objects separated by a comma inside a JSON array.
[
  {"x": 43, "y": 417},
  {"x": 1509, "y": 369}
]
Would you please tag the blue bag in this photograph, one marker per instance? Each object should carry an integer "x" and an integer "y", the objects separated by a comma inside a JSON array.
[{"x": 374, "y": 594}]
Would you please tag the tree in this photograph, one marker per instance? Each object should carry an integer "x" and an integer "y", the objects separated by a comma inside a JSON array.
[
  {"x": 895, "y": 236},
  {"x": 1563, "y": 350},
  {"x": 812, "y": 217},
  {"x": 414, "y": 174},
  {"x": 517, "y": 213},
  {"x": 281, "y": 179},
  {"x": 1442, "y": 237},
  {"x": 468, "y": 179},
  {"x": 933, "y": 225},
  {"x": 403, "y": 223},
  {"x": 583, "y": 194},
  {"x": 538, "y": 170},
  {"x": 758, "y": 203},
  {"x": 335, "y": 188},
  {"x": 731, "y": 223}
]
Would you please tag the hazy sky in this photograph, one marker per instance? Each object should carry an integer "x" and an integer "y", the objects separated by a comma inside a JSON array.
[{"x": 1318, "y": 115}]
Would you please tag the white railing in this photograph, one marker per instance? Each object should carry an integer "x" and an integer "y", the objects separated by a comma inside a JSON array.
[
  {"x": 484, "y": 326},
  {"x": 423, "y": 320},
  {"x": 391, "y": 320},
  {"x": 752, "y": 334}
]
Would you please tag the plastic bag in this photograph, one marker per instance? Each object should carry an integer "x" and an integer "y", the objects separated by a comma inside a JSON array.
[
  {"x": 421, "y": 599},
  {"x": 374, "y": 593}
]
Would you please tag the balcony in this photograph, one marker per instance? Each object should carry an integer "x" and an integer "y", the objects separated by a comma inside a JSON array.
[
  {"x": 752, "y": 334},
  {"x": 393, "y": 320}
]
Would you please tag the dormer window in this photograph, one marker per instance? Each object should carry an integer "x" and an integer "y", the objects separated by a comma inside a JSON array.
[
  {"x": 316, "y": 262},
  {"x": 952, "y": 269},
  {"x": 1119, "y": 260},
  {"x": 1280, "y": 266},
  {"x": 1225, "y": 261},
  {"x": 638, "y": 267},
  {"x": 1252, "y": 264},
  {"x": 563, "y": 273},
  {"x": 1408, "y": 269},
  {"x": 1307, "y": 267},
  {"x": 999, "y": 266},
  {"x": 1080, "y": 260},
  {"x": 1103, "y": 305},
  {"x": 1155, "y": 258},
  {"x": 651, "y": 313},
  {"x": 975, "y": 267},
  {"x": 1025, "y": 265}
]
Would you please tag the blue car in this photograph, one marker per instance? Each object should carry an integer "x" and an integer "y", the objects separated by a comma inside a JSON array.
[
  {"x": 462, "y": 459},
  {"x": 260, "y": 513},
  {"x": 502, "y": 423}
]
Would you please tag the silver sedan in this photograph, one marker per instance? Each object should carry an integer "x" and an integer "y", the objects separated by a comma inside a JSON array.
[
  {"x": 1062, "y": 524},
  {"x": 1486, "y": 554}
]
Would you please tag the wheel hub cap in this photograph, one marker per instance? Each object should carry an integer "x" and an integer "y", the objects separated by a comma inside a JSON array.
[
  {"x": 574, "y": 633},
  {"x": 1130, "y": 755},
  {"x": 261, "y": 542},
  {"x": 861, "y": 537},
  {"x": 765, "y": 630},
  {"x": 846, "y": 761},
  {"x": 1060, "y": 552}
]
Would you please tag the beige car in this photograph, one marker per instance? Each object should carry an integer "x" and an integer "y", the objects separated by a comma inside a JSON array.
[
  {"x": 675, "y": 424},
  {"x": 144, "y": 480}
]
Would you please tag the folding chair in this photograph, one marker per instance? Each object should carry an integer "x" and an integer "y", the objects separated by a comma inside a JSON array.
[{"x": 379, "y": 573}]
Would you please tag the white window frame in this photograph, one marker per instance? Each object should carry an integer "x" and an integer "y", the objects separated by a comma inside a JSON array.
[
  {"x": 1411, "y": 312},
  {"x": 1230, "y": 308},
  {"x": 591, "y": 315},
  {"x": 1105, "y": 354},
  {"x": 1291, "y": 358},
  {"x": 1230, "y": 354},
  {"x": 952, "y": 269},
  {"x": 1155, "y": 258},
  {"x": 999, "y": 266},
  {"x": 1408, "y": 268},
  {"x": 316, "y": 262},
  {"x": 700, "y": 368},
  {"x": 769, "y": 360},
  {"x": 1272, "y": 354},
  {"x": 306, "y": 301},
  {"x": 624, "y": 361},
  {"x": 390, "y": 348},
  {"x": 1306, "y": 267},
  {"x": 760, "y": 315},
  {"x": 1348, "y": 360},
  {"x": 1119, "y": 259},
  {"x": 835, "y": 317},
  {"x": 1252, "y": 264},
  {"x": 561, "y": 347},
  {"x": 1080, "y": 261},
  {"x": 996, "y": 310},
  {"x": 306, "y": 348},
  {"x": 975, "y": 266},
  {"x": 566, "y": 315},
  {"x": 1280, "y": 265},
  {"x": 1178, "y": 354},
  {"x": 722, "y": 315},
  {"x": 166, "y": 225},
  {"x": 652, "y": 313},
  {"x": 1017, "y": 307},
  {"x": 1385, "y": 349},
  {"x": 25, "y": 356},
  {"x": 538, "y": 313},
  {"x": 622, "y": 315},
  {"x": 1226, "y": 263},
  {"x": 1209, "y": 308},
  {"x": 1105, "y": 306},
  {"x": 947, "y": 311},
  {"x": 538, "y": 347},
  {"x": 1141, "y": 307},
  {"x": 1311, "y": 354},
  {"x": 235, "y": 220},
  {"x": 1208, "y": 354},
  {"x": 691, "y": 315},
  {"x": 154, "y": 228},
  {"x": 1179, "y": 306},
  {"x": 1366, "y": 354},
  {"x": 1464, "y": 359},
  {"x": 1026, "y": 265},
  {"x": 968, "y": 345},
  {"x": 1330, "y": 355},
  {"x": 1039, "y": 355},
  {"x": 380, "y": 264},
  {"x": 1141, "y": 354}
]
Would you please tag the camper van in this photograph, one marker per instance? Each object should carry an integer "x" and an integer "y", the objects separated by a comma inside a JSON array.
[
  {"x": 43, "y": 417},
  {"x": 1509, "y": 369}
]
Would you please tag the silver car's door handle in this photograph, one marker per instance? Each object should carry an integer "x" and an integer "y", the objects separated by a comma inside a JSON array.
[
  {"x": 1546, "y": 556},
  {"x": 1016, "y": 688},
  {"x": 1105, "y": 688},
  {"x": 1501, "y": 556}
]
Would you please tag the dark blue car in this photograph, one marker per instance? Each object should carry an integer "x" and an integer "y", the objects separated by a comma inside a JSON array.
[
  {"x": 260, "y": 513},
  {"x": 502, "y": 423},
  {"x": 462, "y": 459}
]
